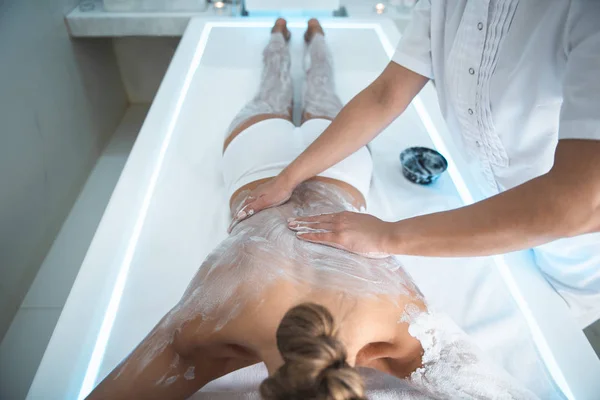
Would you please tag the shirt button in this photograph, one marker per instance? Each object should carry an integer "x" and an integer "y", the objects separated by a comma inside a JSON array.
[
  {"x": 471, "y": 71},
  {"x": 480, "y": 26},
  {"x": 470, "y": 111}
]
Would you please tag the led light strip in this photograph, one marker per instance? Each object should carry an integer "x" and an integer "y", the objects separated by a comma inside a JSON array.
[
  {"x": 536, "y": 332},
  {"x": 117, "y": 293}
]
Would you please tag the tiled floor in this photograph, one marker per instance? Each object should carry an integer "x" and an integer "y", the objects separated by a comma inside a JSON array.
[{"x": 24, "y": 344}]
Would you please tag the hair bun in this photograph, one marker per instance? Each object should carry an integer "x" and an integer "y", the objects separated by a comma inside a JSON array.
[
  {"x": 315, "y": 360},
  {"x": 337, "y": 364},
  {"x": 344, "y": 383},
  {"x": 308, "y": 331}
]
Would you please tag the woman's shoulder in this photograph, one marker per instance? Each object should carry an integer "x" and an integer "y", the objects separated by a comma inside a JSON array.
[{"x": 243, "y": 324}]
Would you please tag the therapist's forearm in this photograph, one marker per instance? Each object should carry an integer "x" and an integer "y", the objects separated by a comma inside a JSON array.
[
  {"x": 363, "y": 118},
  {"x": 562, "y": 203},
  {"x": 514, "y": 220}
]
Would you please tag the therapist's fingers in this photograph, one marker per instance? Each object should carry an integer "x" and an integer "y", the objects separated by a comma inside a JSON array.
[
  {"x": 248, "y": 209},
  {"x": 358, "y": 233},
  {"x": 254, "y": 205},
  {"x": 339, "y": 241},
  {"x": 270, "y": 194},
  {"x": 308, "y": 227},
  {"x": 233, "y": 224},
  {"x": 313, "y": 219},
  {"x": 321, "y": 223},
  {"x": 235, "y": 220}
]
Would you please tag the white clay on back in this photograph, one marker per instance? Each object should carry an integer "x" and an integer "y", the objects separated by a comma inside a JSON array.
[{"x": 262, "y": 250}]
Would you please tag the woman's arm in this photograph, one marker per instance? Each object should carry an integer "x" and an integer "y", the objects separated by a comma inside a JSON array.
[
  {"x": 163, "y": 368},
  {"x": 363, "y": 118},
  {"x": 564, "y": 202}
]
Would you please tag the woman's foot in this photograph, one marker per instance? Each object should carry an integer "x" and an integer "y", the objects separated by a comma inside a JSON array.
[
  {"x": 313, "y": 28},
  {"x": 281, "y": 27}
]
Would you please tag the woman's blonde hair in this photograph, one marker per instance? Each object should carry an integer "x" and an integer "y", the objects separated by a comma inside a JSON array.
[{"x": 315, "y": 366}]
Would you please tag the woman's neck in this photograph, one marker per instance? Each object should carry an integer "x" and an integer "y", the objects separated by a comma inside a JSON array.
[{"x": 371, "y": 334}]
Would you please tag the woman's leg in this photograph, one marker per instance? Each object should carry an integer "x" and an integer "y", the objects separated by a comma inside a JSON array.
[
  {"x": 274, "y": 97},
  {"x": 320, "y": 100}
]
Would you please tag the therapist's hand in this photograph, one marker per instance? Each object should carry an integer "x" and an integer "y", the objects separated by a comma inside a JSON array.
[
  {"x": 272, "y": 193},
  {"x": 358, "y": 233}
]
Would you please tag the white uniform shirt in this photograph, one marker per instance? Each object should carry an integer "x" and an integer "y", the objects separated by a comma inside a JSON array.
[{"x": 514, "y": 77}]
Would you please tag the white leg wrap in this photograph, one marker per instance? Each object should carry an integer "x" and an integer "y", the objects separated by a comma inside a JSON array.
[
  {"x": 276, "y": 89},
  {"x": 320, "y": 99}
]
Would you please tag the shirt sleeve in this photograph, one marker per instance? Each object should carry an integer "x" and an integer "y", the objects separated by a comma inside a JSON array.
[
  {"x": 580, "y": 111},
  {"x": 414, "y": 49}
]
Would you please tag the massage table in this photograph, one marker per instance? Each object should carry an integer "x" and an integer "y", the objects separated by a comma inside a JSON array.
[{"x": 169, "y": 210}]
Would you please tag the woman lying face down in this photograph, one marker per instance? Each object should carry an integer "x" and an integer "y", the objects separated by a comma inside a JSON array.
[{"x": 310, "y": 313}]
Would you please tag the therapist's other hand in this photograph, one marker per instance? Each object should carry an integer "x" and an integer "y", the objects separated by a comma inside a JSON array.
[
  {"x": 357, "y": 233},
  {"x": 272, "y": 193}
]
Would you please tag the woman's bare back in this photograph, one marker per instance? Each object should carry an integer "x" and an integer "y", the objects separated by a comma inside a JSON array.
[
  {"x": 246, "y": 285},
  {"x": 228, "y": 317}
]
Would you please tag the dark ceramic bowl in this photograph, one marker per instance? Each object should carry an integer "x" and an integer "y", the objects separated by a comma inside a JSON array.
[{"x": 422, "y": 165}]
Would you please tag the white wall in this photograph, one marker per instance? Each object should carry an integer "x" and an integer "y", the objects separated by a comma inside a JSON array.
[
  {"x": 143, "y": 62},
  {"x": 59, "y": 102}
]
